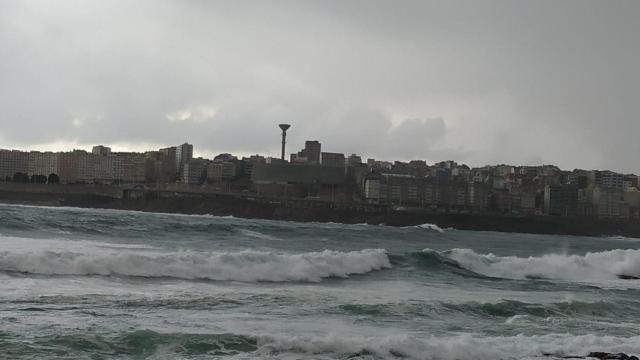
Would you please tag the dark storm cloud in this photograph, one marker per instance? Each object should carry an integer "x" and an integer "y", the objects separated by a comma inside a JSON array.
[{"x": 477, "y": 81}]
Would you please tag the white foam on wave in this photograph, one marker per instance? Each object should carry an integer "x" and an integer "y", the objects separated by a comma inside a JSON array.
[
  {"x": 593, "y": 266},
  {"x": 433, "y": 227},
  {"x": 258, "y": 235},
  {"x": 461, "y": 347},
  {"x": 84, "y": 258},
  {"x": 623, "y": 238},
  {"x": 116, "y": 211}
]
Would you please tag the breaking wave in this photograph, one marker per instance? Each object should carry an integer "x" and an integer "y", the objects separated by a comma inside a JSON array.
[
  {"x": 147, "y": 343},
  {"x": 248, "y": 265},
  {"x": 460, "y": 347},
  {"x": 137, "y": 344},
  {"x": 596, "y": 266},
  {"x": 433, "y": 227}
]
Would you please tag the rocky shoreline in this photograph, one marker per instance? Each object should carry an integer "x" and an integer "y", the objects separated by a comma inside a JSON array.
[{"x": 599, "y": 355}]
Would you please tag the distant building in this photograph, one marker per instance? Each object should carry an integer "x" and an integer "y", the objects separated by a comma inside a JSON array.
[
  {"x": 630, "y": 182},
  {"x": 129, "y": 167},
  {"x": 632, "y": 201},
  {"x": 309, "y": 155},
  {"x": 274, "y": 161},
  {"x": 561, "y": 200},
  {"x": 184, "y": 153},
  {"x": 298, "y": 159},
  {"x": 373, "y": 188},
  {"x": 223, "y": 170},
  {"x": 79, "y": 166},
  {"x": 101, "y": 150},
  {"x": 379, "y": 166},
  {"x": 477, "y": 196},
  {"x": 169, "y": 153},
  {"x": 12, "y": 162},
  {"x": 418, "y": 168},
  {"x": 249, "y": 162},
  {"x": 608, "y": 179},
  {"x": 214, "y": 172},
  {"x": 609, "y": 202},
  {"x": 403, "y": 189},
  {"x": 312, "y": 149},
  {"x": 299, "y": 180},
  {"x": 43, "y": 163},
  {"x": 194, "y": 171},
  {"x": 225, "y": 157},
  {"x": 354, "y": 160},
  {"x": 175, "y": 157},
  {"x": 330, "y": 159},
  {"x": 453, "y": 194},
  {"x": 69, "y": 166},
  {"x": 101, "y": 169}
]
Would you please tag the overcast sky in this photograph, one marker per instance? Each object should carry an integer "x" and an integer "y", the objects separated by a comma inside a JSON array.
[{"x": 480, "y": 82}]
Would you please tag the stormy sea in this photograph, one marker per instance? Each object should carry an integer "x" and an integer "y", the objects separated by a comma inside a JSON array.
[{"x": 107, "y": 284}]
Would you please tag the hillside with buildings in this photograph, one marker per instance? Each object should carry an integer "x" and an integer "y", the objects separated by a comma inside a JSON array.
[{"x": 313, "y": 175}]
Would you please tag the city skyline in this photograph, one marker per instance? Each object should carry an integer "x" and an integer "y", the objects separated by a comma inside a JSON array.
[
  {"x": 313, "y": 174},
  {"x": 293, "y": 150},
  {"x": 482, "y": 83}
]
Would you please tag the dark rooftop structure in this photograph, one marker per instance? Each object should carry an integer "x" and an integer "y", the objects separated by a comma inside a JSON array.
[{"x": 298, "y": 174}]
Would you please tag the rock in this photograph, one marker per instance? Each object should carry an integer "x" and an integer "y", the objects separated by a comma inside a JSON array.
[
  {"x": 628, "y": 277},
  {"x": 611, "y": 356},
  {"x": 596, "y": 355}
]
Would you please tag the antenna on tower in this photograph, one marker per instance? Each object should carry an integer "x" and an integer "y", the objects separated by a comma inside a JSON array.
[{"x": 284, "y": 128}]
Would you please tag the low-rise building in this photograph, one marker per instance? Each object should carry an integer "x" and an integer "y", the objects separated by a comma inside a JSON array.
[
  {"x": 43, "y": 163},
  {"x": 609, "y": 202},
  {"x": 195, "y": 171},
  {"x": 299, "y": 180},
  {"x": 330, "y": 159},
  {"x": 561, "y": 200},
  {"x": 608, "y": 179},
  {"x": 12, "y": 162}
]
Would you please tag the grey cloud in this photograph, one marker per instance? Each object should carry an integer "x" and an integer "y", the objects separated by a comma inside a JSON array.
[{"x": 476, "y": 81}]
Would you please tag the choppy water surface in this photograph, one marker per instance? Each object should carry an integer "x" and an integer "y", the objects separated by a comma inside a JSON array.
[{"x": 104, "y": 284}]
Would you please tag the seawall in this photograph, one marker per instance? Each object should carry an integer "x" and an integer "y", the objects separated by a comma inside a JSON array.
[{"x": 249, "y": 206}]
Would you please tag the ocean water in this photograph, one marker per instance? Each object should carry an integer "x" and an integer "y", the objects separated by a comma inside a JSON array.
[{"x": 106, "y": 284}]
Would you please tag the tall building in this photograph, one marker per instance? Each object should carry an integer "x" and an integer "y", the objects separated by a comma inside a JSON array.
[
  {"x": 184, "y": 153},
  {"x": 169, "y": 168},
  {"x": 310, "y": 154}
]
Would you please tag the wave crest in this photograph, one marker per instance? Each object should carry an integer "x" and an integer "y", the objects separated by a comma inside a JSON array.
[
  {"x": 460, "y": 347},
  {"x": 245, "y": 265},
  {"x": 596, "y": 266},
  {"x": 147, "y": 343}
]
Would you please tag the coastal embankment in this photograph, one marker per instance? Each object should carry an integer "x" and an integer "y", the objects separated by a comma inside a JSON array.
[{"x": 246, "y": 205}]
